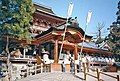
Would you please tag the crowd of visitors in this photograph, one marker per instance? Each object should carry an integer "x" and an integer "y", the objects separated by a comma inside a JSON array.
[
  {"x": 86, "y": 59},
  {"x": 99, "y": 59}
]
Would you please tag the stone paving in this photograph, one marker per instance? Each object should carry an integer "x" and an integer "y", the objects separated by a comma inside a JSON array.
[
  {"x": 60, "y": 76},
  {"x": 56, "y": 76},
  {"x": 102, "y": 77}
]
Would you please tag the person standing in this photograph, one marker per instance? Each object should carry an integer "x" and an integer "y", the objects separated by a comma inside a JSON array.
[
  {"x": 79, "y": 66},
  {"x": 72, "y": 66},
  {"x": 63, "y": 66},
  {"x": 46, "y": 59}
]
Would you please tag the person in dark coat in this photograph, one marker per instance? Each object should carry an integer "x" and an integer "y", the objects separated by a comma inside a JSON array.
[
  {"x": 79, "y": 66},
  {"x": 72, "y": 66}
]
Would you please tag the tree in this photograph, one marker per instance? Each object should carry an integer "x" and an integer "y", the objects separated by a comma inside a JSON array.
[
  {"x": 99, "y": 33},
  {"x": 15, "y": 18},
  {"x": 114, "y": 36}
]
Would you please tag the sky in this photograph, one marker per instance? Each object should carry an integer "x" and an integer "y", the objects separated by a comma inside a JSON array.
[{"x": 104, "y": 11}]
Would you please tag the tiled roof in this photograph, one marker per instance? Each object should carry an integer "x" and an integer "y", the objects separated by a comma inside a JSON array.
[
  {"x": 43, "y": 8},
  {"x": 91, "y": 45},
  {"x": 61, "y": 28}
]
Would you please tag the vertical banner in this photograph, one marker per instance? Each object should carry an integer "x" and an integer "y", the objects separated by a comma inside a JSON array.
[
  {"x": 69, "y": 13},
  {"x": 88, "y": 17},
  {"x": 70, "y": 9}
]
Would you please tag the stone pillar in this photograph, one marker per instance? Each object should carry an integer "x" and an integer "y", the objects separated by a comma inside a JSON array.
[{"x": 56, "y": 51}]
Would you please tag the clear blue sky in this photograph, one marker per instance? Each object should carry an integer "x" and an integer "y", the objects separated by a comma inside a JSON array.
[{"x": 104, "y": 11}]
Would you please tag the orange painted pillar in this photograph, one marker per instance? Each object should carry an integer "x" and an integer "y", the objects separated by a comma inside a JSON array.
[
  {"x": 75, "y": 53},
  {"x": 75, "y": 56},
  {"x": 56, "y": 51}
]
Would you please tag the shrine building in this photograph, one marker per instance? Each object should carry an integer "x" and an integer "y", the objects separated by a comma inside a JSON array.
[{"x": 48, "y": 30}]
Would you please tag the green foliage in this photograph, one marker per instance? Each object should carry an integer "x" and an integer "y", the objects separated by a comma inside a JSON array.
[
  {"x": 114, "y": 36},
  {"x": 15, "y": 17},
  {"x": 114, "y": 39}
]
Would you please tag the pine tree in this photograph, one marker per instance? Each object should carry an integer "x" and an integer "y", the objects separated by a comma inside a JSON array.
[
  {"x": 15, "y": 18},
  {"x": 114, "y": 36}
]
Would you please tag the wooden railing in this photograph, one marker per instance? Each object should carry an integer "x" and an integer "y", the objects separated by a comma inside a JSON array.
[
  {"x": 30, "y": 70},
  {"x": 86, "y": 70},
  {"x": 37, "y": 69},
  {"x": 98, "y": 73},
  {"x": 115, "y": 77}
]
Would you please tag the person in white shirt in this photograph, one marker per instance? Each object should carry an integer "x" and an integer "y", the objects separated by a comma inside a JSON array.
[{"x": 46, "y": 59}]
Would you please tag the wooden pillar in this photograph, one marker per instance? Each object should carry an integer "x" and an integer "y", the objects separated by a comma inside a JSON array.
[
  {"x": 35, "y": 67},
  {"x": 98, "y": 75},
  {"x": 40, "y": 50},
  {"x": 75, "y": 57},
  {"x": 56, "y": 51},
  {"x": 118, "y": 79},
  {"x": 84, "y": 71},
  {"x": 75, "y": 53},
  {"x": 24, "y": 51}
]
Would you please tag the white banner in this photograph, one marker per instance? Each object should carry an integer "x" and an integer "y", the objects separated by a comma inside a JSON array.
[
  {"x": 89, "y": 17},
  {"x": 70, "y": 9}
]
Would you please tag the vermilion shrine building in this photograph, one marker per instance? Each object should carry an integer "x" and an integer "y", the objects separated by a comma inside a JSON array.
[{"x": 48, "y": 30}]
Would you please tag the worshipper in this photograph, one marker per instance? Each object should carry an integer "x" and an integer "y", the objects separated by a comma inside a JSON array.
[
  {"x": 63, "y": 66},
  {"x": 16, "y": 53},
  {"x": 79, "y": 66},
  {"x": 46, "y": 59},
  {"x": 72, "y": 66}
]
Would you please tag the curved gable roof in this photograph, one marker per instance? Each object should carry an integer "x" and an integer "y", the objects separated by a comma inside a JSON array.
[
  {"x": 61, "y": 29},
  {"x": 46, "y": 11}
]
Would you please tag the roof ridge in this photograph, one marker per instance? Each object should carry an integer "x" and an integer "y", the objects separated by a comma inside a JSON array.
[{"x": 39, "y": 4}]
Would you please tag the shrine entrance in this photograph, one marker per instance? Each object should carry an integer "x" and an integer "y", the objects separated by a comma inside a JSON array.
[{"x": 51, "y": 40}]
